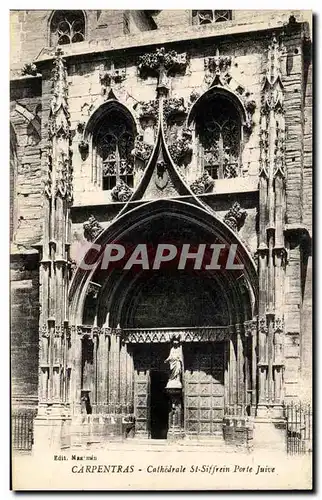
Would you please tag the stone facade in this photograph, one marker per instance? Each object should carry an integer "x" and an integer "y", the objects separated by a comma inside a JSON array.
[{"x": 118, "y": 130}]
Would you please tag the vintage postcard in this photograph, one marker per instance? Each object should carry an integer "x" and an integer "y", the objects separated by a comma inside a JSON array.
[{"x": 161, "y": 221}]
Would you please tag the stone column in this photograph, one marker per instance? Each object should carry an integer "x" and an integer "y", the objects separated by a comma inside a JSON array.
[{"x": 114, "y": 372}]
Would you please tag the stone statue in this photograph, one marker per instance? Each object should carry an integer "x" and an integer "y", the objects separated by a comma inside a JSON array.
[{"x": 175, "y": 360}]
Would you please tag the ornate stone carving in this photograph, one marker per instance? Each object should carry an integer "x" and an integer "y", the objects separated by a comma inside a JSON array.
[
  {"x": 93, "y": 289},
  {"x": 202, "y": 334},
  {"x": 161, "y": 178},
  {"x": 181, "y": 149},
  {"x": 80, "y": 127},
  {"x": 175, "y": 360},
  {"x": 92, "y": 228},
  {"x": 278, "y": 339},
  {"x": 147, "y": 109},
  {"x": 272, "y": 115},
  {"x": 83, "y": 148},
  {"x": 235, "y": 217},
  {"x": 204, "y": 184},
  {"x": 162, "y": 63},
  {"x": 121, "y": 192},
  {"x": 250, "y": 328},
  {"x": 194, "y": 96},
  {"x": 217, "y": 69},
  {"x": 174, "y": 106},
  {"x": 141, "y": 149},
  {"x": 109, "y": 77},
  {"x": 49, "y": 169},
  {"x": 59, "y": 118},
  {"x": 64, "y": 184},
  {"x": 29, "y": 69},
  {"x": 262, "y": 325}
]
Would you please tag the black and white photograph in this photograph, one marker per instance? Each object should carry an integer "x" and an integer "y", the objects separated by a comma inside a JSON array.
[{"x": 161, "y": 249}]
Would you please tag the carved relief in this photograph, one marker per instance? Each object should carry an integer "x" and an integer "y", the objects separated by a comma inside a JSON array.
[
  {"x": 147, "y": 109},
  {"x": 204, "y": 184},
  {"x": 173, "y": 107},
  {"x": 141, "y": 149},
  {"x": 278, "y": 340},
  {"x": 162, "y": 63},
  {"x": 235, "y": 217},
  {"x": 121, "y": 192},
  {"x": 92, "y": 228},
  {"x": 83, "y": 148},
  {"x": 29, "y": 69},
  {"x": 217, "y": 69},
  {"x": 272, "y": 115},
  {"x": 64, "y": 184},
  {"x": 181, "y": 149},
  {"x": 161, "y": 178},
  {"x": 110, "y": 77},
  {"x": 59, "y": 118}
]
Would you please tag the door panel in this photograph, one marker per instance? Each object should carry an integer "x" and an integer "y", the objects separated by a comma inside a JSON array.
[{"x": 204, "y": 388}]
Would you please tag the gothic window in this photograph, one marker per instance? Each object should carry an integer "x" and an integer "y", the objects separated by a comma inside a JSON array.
[
  {"x": 67, "y": 26},
  {"x": 211, "y": 16},
  {"x": 218, "y": 131},
  {"x": 113, "y": 144}
]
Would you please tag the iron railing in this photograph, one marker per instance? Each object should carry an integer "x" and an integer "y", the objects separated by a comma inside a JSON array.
[
  {"x": 298, "y": 428},
  {"x": 22, "y": 429}
]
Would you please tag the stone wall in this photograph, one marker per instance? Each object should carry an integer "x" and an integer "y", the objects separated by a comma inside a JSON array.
[{"x": 24, "y": 329}]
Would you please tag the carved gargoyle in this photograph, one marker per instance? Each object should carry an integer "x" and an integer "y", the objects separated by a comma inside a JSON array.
[
  {"x": 235, "y": 217},
  {"x": 92, "y": 228}
]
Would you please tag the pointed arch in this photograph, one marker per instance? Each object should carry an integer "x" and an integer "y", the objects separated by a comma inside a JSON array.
[
  {"x": 132, "y": 222},
  {"x": 73, "y": 24},
  {"x": 111, "y": 131}
]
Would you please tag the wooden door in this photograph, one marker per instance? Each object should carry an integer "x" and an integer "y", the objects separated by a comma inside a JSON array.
[{"x": 203, "y": 388}]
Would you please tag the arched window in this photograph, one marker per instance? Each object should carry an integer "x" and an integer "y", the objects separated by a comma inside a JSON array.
[
  {"x": 218, "y": 133},
  {"x": 113, "y": 142},
  {"x": 67, "y": 26},
  {"x": 211, "y": 16}
]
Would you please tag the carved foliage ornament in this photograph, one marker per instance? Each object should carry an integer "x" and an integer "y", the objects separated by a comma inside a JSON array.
[
  {"x": 141, "y": 149},
  {"x": 181, "y": 149},
  {"x": 235, "y": 217},
  {"x": 147, "y": 109},
  {"x": 64, "y": 182},
  {"x": 174, "y": 106},
  {"x": 169, "y": 59}
]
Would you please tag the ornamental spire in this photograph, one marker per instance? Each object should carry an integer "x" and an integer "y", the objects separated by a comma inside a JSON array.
[{"x": 59, "y": 119}]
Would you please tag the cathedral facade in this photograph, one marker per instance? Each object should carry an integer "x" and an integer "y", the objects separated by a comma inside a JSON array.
[{"x": 184, "y": 136}]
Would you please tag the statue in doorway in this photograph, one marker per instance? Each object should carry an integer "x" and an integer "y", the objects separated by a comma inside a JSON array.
[{"x": 175, "y": 360}]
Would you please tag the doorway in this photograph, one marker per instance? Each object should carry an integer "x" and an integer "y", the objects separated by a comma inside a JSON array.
[{"x": 160, "y": 405}]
